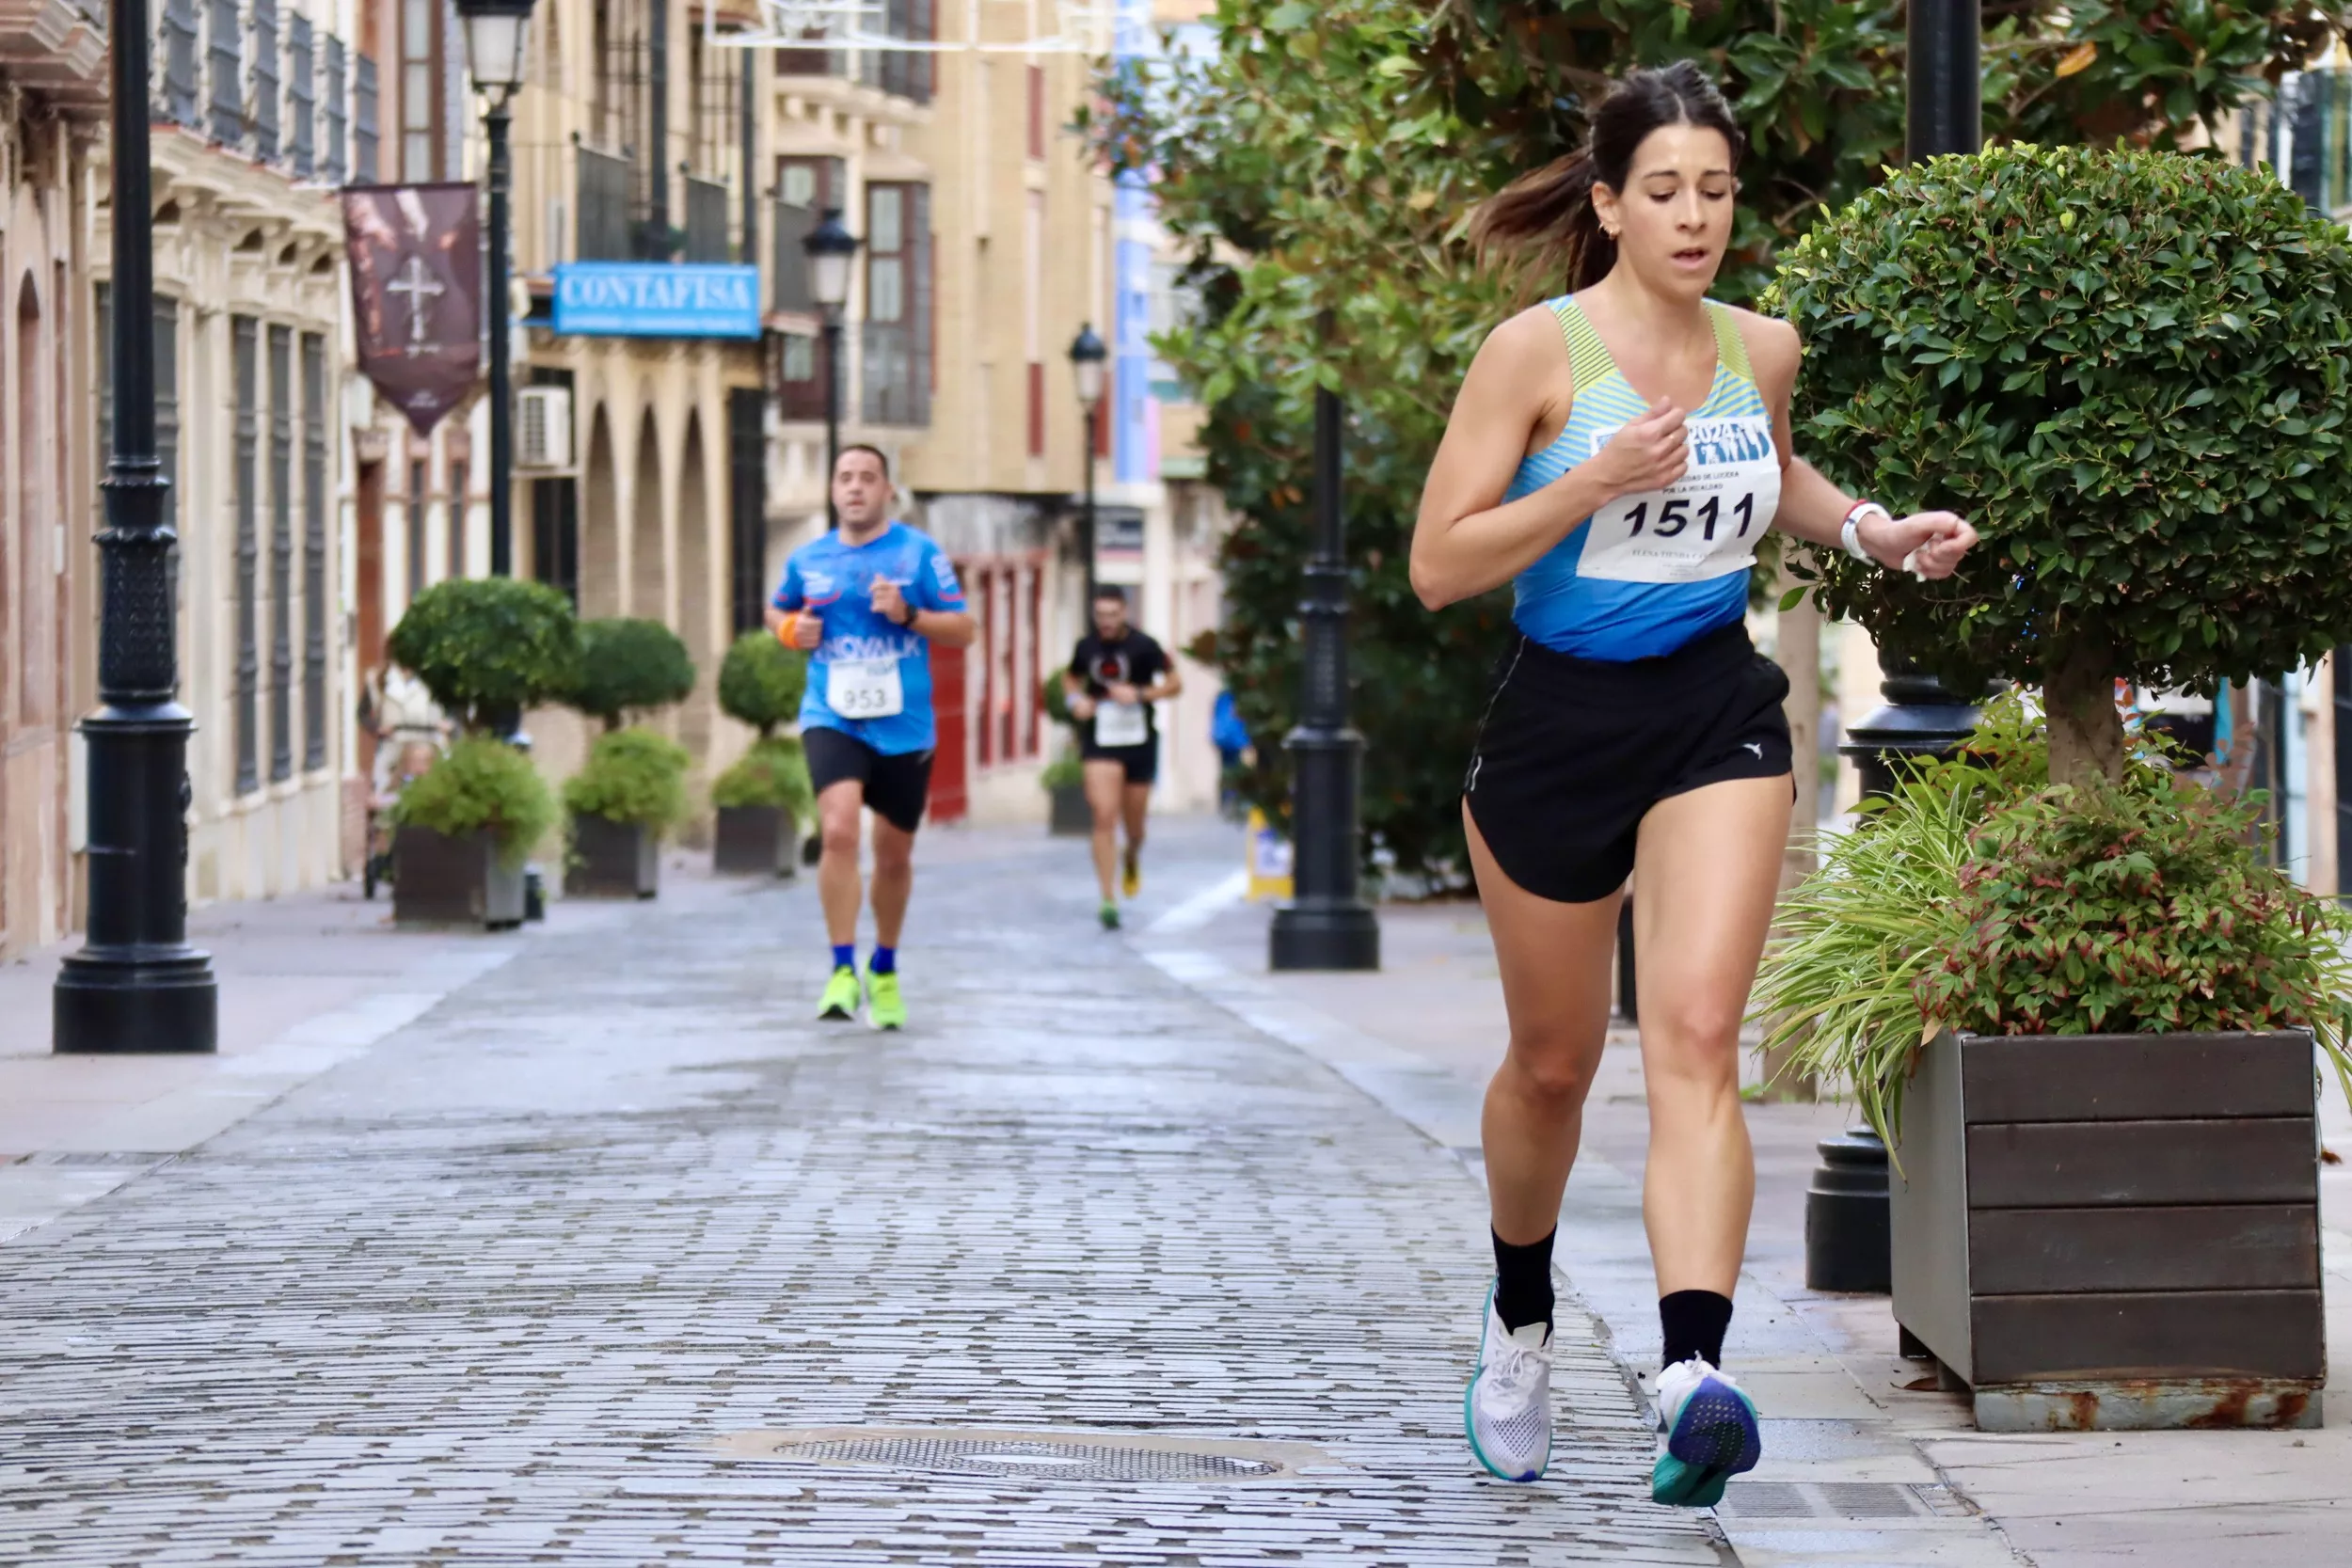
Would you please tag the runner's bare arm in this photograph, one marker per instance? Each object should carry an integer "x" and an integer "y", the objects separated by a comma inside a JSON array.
[
  {"x": 1466, "y": 539},
  {"x": 949, "y": 628},
  {"x": 1813, "y": 508}
]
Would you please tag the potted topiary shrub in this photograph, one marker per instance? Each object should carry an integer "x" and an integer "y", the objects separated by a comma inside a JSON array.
[
  {"x": 2127, "y": 368},
  {"x": 1064, "y": 777},
  {"x": 486, "y": 648},
  {"x": 627, "y": 794},
  {"x": 631, "y": 791},
  {"x": 764, "y": 800}
]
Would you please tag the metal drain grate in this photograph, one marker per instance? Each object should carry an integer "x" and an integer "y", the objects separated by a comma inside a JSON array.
[
  {"x": 1058, "y": 1461},
  {"x": 1084, "y": 1455},
  {"x": 1839, "y": 1499}
]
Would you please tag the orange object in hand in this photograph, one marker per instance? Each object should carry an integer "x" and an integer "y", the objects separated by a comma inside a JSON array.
[{"x": 788, "y": 629}]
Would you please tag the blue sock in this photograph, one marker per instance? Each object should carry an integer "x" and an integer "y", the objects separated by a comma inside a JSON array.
[
  {"x": 885, "y": 962},
  {"x": 844, "y": 954}
]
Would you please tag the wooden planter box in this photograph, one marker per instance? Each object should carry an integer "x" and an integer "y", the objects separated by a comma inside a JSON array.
[
  {"x": 756, "y": 841},
  {"x": 2115, "y": 1231},
  {"x": 439, "y": 880},
  {"x": 1071, "y": 817},
  {"x": 612, "y": 860}
]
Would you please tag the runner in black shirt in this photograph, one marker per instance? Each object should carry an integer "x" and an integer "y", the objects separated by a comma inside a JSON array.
[{"x": 1115, "y": 675}]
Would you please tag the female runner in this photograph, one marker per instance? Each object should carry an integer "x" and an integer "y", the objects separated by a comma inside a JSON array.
[{"x": 1616, "y": 454}]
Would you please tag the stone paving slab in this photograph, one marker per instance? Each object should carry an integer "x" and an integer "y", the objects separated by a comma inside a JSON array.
[{"x": 498, "y": 1290}]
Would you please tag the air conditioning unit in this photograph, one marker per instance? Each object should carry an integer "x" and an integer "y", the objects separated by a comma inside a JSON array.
[{"x": 543, "y": 428}]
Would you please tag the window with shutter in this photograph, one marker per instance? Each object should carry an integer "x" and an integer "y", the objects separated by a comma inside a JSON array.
[
  {"x": 313, "y": 552},
  {"x": 337, "y": 167},
  {"x": 281, "y": 546},
  {"x": 262, "y": 114},
  {"x": 182, "y": 71},
  {"x": 245, "y": 340},
  {"x": 420, "y": 76},
  {"x": 366, "y": 130},
  {"x": 225, "y": 45},
  {"x": 301, "y": 97}
]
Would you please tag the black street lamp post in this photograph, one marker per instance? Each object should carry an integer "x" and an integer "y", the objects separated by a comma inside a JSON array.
[
  {"x": 1087, "y": 355},
  {"x": 495, "y": 33},
  {"x": 1847, "y": 1224},
  {"x": 1326, "y": 925},
  {"x": 830, "y": 247},
  {"x": 135, "y": 984}
]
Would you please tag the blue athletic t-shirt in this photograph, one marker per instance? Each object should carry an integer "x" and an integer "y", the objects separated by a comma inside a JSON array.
[{"x": 834, "y": 580}]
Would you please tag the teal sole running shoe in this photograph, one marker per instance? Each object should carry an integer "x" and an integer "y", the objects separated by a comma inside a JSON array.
[
  {"x": 1506, "y": 1410},
  {"x": 1708, "y": 1434}
]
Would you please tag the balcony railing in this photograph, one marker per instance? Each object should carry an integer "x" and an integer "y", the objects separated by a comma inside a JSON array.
[
  {"x": 607, "y": 208},
  {"x": 706, "y": 221}
]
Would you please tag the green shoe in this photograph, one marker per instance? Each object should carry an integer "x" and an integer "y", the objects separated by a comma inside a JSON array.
[
  {"x": 841, "y": 995},
  {"x": 884, "y": 1007},
  {"x": 1110, "y": 915}
]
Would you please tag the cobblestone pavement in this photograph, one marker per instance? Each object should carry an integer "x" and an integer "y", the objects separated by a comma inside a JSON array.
[{"x": 501, "y": 1291}]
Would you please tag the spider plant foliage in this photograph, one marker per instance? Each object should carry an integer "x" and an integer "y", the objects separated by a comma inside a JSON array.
[{"x": 1980, "y": 898}]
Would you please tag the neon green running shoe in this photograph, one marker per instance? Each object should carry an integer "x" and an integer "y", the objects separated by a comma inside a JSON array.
[
  {"x": 1110, "y": 915},
  {"x": 841, "y": 995},
  {"x": 884, "y": 1007}
]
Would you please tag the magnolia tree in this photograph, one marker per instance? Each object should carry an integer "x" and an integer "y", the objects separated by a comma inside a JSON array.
[{"x": 2132, "y": 371}]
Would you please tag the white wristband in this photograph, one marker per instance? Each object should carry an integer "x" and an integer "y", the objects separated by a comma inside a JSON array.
[{"x": 1850, "y": 535}]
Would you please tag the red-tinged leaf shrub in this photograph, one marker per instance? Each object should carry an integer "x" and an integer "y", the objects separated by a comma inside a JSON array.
[{"x": 2139, "y": 907}]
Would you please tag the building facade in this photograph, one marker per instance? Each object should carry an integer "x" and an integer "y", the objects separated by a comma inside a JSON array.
[{"x": 53, "y": 100}]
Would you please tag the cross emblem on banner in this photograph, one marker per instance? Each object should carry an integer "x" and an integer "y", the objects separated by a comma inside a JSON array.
[{"x": 422, "y": 288}]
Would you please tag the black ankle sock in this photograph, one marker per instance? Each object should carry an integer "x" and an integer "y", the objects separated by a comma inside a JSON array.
[
  {"x": 1523, "y": 1282},
  {"x": 1692, "y": 1323}
]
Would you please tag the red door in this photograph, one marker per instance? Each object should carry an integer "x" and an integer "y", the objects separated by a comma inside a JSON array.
[{"x": 950, "y": 798}]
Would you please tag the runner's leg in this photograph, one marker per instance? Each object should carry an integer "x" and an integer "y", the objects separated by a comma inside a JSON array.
[
  {"x": 1554, "y": 959},
  {"x": 893, "y": 881},
  {"x": 840, "y": 808},
  {"x": 1135, "y": 806},
  {"x": 1105, "y": 778},
  {"x": 1708, "y": 866}
]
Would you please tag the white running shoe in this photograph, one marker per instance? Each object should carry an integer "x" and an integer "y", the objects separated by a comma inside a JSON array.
[
  {"x": 1706, "y": 1434},
  {"x": 1507, "y": 1408}
]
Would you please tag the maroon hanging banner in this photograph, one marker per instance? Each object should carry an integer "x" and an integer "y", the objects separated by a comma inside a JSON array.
[{"x": 416, "y": 288}]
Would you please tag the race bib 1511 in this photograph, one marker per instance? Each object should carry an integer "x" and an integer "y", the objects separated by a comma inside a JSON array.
[{"x": 1705, "y": 524}]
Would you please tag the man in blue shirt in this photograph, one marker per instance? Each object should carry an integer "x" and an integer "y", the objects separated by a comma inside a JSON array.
[{"x": 865, "y": 602}]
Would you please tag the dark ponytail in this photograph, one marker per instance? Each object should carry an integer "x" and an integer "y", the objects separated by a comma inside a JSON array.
[{"x": 1543, "y": 227}]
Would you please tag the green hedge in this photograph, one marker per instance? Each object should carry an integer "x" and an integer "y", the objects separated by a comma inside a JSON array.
[
  {"x": 481, "y": 784},
  {"x": 773, "y": 774},
  {"x": 630, "y": 665},
  {"x": 632, "y": 775},
  {"x": 487, "y": 648},
  {"x": 761, "y": 682}
]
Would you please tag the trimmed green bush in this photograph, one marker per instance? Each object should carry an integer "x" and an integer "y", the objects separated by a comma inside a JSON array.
[
  {"x": 2129, "y": 370},
  {"x": 488, "y": 647},
  {"x": 630, "y": 665},
  {"x": 1065, "y": 771},
  {"x": 481, "y": 784},
  {"x": 1054, "y": 698},
  {"x": 761, "y": 682},
  {"x": 632, "y": 775},
  {"x": 773, "y": 774}
]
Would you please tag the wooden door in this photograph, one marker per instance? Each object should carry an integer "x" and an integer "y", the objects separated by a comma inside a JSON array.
[
  {"x": 950, "y": 793},
  {"x": 369, "y": 569}
]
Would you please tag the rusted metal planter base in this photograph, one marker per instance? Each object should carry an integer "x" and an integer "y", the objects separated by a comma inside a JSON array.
[
  {"x": 2114, "y": 1232},
  {"x": 2148, "y": 1405},
  {"x": 756, "y": 841},
  {"x": 612, "y": 860}
]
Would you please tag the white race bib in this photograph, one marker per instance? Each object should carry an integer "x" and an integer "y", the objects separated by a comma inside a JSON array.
[
  {"x": 863, "y": 688},
  {"x": 1705, "y": 524},
  {"x": 1119, "y": 724}
]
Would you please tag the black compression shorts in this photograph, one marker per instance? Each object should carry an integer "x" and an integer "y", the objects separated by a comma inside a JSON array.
[{"x": 898, "y": 785}]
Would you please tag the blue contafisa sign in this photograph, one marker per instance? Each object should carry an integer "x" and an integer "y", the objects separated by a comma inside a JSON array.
[{"x": 657, "y": 299}]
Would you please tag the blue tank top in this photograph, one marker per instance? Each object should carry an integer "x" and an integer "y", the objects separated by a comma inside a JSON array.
[{"x": 1649, "y": 573}]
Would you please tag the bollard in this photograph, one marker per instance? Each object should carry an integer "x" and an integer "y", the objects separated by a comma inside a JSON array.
[{"x": 1846, "y": 1210}]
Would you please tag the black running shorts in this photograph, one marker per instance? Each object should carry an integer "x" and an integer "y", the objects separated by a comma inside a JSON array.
[
  {"x": 1142, "y": 762},
  {"x": 1573, "y": 752},
  {"x": 898, "y": 785}
]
